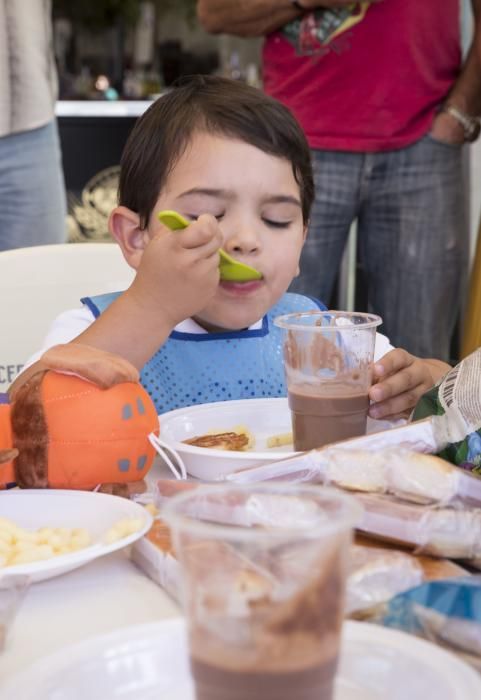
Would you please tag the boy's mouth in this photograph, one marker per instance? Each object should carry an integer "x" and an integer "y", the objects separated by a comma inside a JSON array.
[{"x": 241, "y": 288}]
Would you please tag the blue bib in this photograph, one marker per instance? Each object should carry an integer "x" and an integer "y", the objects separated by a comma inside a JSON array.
[{"x": 195, "y": 368}]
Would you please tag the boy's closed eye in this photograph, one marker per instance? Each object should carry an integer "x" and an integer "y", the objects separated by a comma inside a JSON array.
[
  {"x": 276, "y": 224},
  {"x": 280, "y": 214},
  {"x": 219, "y": 217},
  {"x": 194, "y": 217}
]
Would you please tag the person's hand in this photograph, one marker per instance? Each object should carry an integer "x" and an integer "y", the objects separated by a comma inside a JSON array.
[
  {"x": 328, "y": 4},
  {"x": 179, "y": 270},
  {"x": 447, "y": 129},
  {"x": 400, "y": 379}
]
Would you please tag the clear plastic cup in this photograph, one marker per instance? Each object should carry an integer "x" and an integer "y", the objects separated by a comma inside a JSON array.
[
  {"x": 328, "y": 357},
  {"x": 264, "y": 572}
]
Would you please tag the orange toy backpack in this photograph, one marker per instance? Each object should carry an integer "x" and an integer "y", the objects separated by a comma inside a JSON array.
[{"x": 77, "y": 419}]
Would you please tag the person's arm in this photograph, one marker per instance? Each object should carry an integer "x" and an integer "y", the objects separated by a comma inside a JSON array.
[
  {"x": 249, "y": 18},
  {"x": 177, "y": 276},
  {"x": 129, "y": 328},
  {"x": 466, "y": 92},
  {"x": 245, "y": 19}
]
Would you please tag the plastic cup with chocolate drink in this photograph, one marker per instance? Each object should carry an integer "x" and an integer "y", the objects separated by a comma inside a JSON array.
[
  {"x": 328, "y": 358},
  {"x": 264, "y": 572}
]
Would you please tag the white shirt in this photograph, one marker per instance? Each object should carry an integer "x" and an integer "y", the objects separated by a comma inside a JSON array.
[{"x": 69, "y": 324}]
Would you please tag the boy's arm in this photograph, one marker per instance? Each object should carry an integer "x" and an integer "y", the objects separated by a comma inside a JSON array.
[
  {"x": 101, "y": 368},
  {"x": 177, "y": 276},
  {"x": 128, "y": 328}
]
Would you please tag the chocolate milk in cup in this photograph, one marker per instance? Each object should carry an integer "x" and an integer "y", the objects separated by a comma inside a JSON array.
[
  {"x": 327, "y": 360},
  {"x": 264, "y": 572}
]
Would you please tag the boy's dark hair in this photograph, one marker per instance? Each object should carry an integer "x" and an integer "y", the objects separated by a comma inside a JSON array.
[{"x": 216, "y": 105}]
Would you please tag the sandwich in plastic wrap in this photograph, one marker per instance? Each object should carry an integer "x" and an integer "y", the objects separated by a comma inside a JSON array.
[{"x": 410, "y": 496}]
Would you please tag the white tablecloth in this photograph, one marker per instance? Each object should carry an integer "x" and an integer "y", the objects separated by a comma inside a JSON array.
[{"x": 106, "y": 594}]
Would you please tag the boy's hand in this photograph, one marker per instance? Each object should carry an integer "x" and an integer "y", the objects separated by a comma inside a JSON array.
[
  {"x": 400, "y": 379},
  {"x": 179, "y": 271}
]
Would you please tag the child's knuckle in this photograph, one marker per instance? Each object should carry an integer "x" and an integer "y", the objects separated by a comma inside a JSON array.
[
  {"x": 411, "y": 397},
  {"x": 411, "y": 377}
]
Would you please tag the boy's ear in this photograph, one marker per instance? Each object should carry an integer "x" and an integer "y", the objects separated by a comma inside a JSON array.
[{"x": 124, "y": 225}]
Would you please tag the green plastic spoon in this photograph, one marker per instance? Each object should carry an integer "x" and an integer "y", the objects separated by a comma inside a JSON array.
[{"x": 231, "y": 270}]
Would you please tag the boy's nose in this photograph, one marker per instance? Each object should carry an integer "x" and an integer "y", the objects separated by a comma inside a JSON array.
[{"x": 243, "y": 241}]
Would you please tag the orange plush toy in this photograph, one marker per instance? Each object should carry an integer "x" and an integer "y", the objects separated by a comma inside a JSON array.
[{"x": 77, "y": 419}]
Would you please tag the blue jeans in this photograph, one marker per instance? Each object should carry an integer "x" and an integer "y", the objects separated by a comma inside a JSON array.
[
  {"x": 413, "y": 237},
  {"x": 32, "y": 190}
]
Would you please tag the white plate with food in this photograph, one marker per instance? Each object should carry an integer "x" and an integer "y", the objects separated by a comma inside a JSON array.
[
  {"x": 148, "y": 662},
  {"x": 265, "y": 425},
  {"x": 44, "y": 533}
]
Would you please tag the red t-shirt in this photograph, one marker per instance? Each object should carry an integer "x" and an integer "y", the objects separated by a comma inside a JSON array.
[{"x": 375, "y": 86}]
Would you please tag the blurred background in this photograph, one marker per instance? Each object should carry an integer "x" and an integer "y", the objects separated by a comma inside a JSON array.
[
  {"x": 121, "y": 54},
  {"x": 113, "y": 58}
]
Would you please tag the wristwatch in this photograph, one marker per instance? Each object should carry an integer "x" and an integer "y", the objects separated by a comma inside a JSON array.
[{"x": 470, "y": 124}]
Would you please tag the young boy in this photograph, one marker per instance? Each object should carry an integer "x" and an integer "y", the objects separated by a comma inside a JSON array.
[{"x": 236, "y": 164}]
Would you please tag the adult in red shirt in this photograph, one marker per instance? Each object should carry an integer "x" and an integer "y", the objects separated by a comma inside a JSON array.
[{"x": 386, "y": 102}]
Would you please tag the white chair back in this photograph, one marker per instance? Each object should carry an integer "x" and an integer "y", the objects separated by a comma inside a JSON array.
[{"x": 38, "y": 283}]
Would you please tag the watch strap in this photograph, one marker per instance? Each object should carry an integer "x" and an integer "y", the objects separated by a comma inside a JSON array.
[{"x": 470, "y": 124}]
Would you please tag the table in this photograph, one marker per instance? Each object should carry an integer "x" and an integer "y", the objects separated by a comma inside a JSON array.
[
  {"x": 104, "y": 595},
  {"x": 109, "y": 593}
]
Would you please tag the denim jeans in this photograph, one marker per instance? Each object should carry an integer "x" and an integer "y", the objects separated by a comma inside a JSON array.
[
  {"x": 412, "y": 233},
  {"x": 32, "y": 190}
]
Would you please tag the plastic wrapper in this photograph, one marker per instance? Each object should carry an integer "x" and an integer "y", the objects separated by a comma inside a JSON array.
[
  {"x": 375, "y": 575},
  {"x": 445, "y": 612},
  {"x": 453, "y": 533},
  {"x": 154, "y": 555},
  {"x": 413, "y": 437},
  {"x": 456, "y": 404},
  {"x": 408, "y": 498},
  {"x": 418, "y": 478},
  {"x": 256, "y": 511},
  {"x": 434, "y": 529}
]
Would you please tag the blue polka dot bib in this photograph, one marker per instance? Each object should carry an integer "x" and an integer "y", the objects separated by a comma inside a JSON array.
[{"x": 193, "y": 368}]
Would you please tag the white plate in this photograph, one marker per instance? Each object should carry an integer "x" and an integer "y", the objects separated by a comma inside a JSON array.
[
  {"x": 97, "y": 512},
  {"x": 263, "y": 417},
  {"x": 148, "y": 662}
]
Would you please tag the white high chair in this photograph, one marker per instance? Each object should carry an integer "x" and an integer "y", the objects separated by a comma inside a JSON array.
[{"x": 38, "y": 283}]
